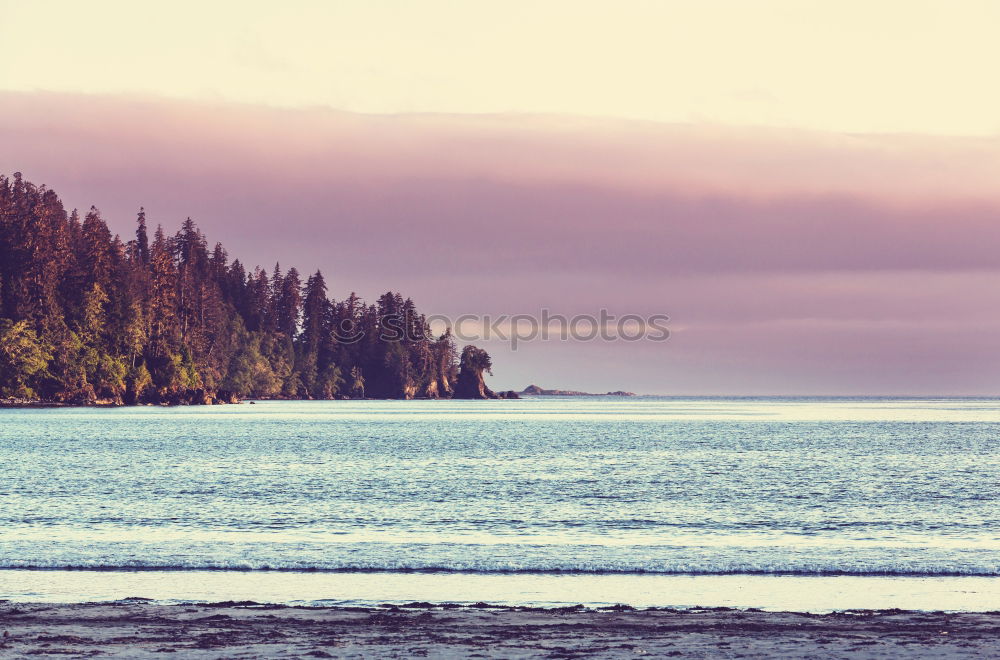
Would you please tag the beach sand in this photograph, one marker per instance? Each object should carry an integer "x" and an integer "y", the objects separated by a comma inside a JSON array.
[{"x": 140, "y": 629}]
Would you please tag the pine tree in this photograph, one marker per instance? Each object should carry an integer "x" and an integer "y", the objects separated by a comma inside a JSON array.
[
  {"x": 141, "y": 256},
  {"x": 85, "y": 317}
]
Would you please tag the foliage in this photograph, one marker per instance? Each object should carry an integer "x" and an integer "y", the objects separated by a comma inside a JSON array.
[
  {"x": 23, "y": 358},
  {"x": 87, "y": 317}
]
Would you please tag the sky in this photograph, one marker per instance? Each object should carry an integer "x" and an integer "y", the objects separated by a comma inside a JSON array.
[{"x": 807, "y": 189}]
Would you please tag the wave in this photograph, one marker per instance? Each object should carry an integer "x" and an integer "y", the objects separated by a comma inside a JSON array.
[
  {"x": 501, "y": 568},
  {"x": 471, "y": 558}
]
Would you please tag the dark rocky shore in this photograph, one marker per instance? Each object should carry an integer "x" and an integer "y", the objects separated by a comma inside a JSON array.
[{"x": 140, "y": 629}]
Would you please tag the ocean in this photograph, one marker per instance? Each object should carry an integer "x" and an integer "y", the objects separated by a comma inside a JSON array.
[{"x": 779, "y": 503}]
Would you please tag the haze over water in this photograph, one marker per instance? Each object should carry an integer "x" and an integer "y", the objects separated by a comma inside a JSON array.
[{"x": 496, "y": 492}]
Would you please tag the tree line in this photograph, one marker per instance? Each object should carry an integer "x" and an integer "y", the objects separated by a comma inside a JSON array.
[{"x": 86, "y": 317}]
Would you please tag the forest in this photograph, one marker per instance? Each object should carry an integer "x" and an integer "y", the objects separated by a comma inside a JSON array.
[{"x": 87, "y": 318}]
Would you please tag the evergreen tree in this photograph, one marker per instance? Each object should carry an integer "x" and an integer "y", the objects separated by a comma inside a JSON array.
[
  {"x": 141, "y": 256},
  {"x": 85, "y": 317}
]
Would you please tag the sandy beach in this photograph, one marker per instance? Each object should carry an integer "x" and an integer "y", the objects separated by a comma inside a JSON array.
[{"x": 139, "y": 629}]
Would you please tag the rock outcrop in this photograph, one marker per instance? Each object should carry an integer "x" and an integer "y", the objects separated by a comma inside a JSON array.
[{"x": 471, "y": 384}]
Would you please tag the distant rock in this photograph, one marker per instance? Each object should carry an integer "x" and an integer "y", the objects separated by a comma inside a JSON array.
[{"x": 535, "y": 390}]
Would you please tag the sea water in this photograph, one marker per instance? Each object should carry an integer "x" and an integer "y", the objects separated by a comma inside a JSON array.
[{"x": 756, "y": 502}]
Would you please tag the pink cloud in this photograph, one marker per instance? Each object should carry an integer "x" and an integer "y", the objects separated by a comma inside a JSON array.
[
  {"x": 691, "y": 160},
  {"x": 781, "y": 255}
]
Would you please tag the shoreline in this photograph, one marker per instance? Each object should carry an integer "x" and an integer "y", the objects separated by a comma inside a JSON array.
[
  {"x": 773, "y": 593},
  {"x": 136, "y": 628},
  {"x": 39, "y": 404},
  {"x": 29, "y": 405}
]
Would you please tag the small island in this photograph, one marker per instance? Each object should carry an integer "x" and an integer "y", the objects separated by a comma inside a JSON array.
[{"x": 535, "y": 390}]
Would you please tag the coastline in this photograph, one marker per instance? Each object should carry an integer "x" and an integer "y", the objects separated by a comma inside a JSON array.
[
  {"x": 106, "y": 403},
  {"x": 505, "y": 395},
  {"x": 137, "y": 628},
  {"x": 773, "y": 593}
]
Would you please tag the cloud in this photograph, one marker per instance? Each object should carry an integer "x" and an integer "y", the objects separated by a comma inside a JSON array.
[{"x": 780, "y": 254}]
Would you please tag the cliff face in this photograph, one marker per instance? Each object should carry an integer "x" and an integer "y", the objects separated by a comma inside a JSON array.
[
  {"x": 444, "y": 385},
  {"x": 471, "y": 385},
  {"x": 438, "y": 389}
]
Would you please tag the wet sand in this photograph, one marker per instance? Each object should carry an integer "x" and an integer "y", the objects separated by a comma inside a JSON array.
[{"x": 140, "y": 629}]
